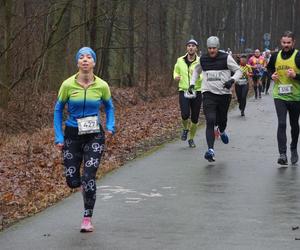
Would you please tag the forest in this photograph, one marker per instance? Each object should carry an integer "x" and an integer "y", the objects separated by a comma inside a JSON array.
[{"x": 136, "y": 41}]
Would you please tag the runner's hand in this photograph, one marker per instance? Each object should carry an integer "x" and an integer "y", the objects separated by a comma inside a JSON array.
[
  {"x": 275, "y": 76},
  {"x": 228, "y": 84},
  {"x": 191, "y": 88},
  {"x": 59, "y": 146},
  {"x": 177, "y": 78},
  {"x": 291, "y": 73},
  {"x": 108, "y": 136}
]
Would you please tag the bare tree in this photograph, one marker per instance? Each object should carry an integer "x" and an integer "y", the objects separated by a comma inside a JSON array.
[{"x": 135, "y": 40}]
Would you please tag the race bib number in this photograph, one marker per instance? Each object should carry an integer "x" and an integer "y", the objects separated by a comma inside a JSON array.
[
  {"x": 285, "y": 89},
  {"x": 88, "y": 125},
  {"x": 242, "y": 82}
]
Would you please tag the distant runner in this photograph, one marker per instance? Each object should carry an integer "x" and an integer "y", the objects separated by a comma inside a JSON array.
[
  {"x": 258, "y": 64},
  {"x": 242, "y": 85},
  {"x": 266, "y": 78}
]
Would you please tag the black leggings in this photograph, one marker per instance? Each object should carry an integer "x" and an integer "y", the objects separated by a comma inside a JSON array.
[
  {"x": 241, "y": 93},
  {"x": 88, "y": 148},
  {"x": 257, "y": 85},
  {"x": 215, "y": 109},
  {"x": 282, "y": 107},
  {"x": 190, "y": 106},
  {"x": 266, "y": 81}
]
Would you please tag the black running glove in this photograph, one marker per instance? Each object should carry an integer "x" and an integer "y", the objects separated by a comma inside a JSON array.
[
  {"x": 191, "y": 88},
  {"x": 228, "y": 84}
]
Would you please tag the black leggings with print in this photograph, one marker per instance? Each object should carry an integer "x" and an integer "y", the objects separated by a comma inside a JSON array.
[{"x": 87, "y": 149}]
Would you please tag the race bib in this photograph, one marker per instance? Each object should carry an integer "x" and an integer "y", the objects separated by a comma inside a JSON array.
[
  {"x": 88, "y": 125},
  {"x": 285, "y": 89},
  {"x": 242, "y": 82}
]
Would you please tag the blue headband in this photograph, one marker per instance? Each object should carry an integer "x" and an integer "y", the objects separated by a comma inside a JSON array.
[{"x": 86, "y": 51}]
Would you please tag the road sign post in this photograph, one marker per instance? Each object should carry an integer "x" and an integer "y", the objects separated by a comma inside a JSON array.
[{"x": 267, "y": 37}]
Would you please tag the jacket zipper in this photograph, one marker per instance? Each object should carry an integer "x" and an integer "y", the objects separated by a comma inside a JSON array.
[
  {"x": 84, "y": 102},
  {"x": 188, "y": 69}
]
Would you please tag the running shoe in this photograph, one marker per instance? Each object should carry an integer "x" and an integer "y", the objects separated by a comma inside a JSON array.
[
  {"x": 282, "y": 160},
  {"x": 191, "y": 143},
  {"x": 184, "y": 134},
  {"x": 86, "y": 225},
  {"x": 210, "y": 155},
  {"x": 242, "y": 113},
  {"x": 294, "y": 156},
  {"x": 224, "y": 138}
]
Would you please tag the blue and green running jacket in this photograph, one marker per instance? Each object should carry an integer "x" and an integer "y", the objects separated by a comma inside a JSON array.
[{"x": 82, "y": 103}]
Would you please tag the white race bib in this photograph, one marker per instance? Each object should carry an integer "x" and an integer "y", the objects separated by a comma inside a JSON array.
[
  {"x": 285, "y": 89},
  {"x": 242, "y": 82},
  {"x": 88, "y": 125}
]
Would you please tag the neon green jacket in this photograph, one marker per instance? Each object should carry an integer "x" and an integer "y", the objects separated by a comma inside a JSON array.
[{"x": 181, "y": 69}]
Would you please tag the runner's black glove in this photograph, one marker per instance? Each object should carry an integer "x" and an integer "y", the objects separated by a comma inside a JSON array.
[
  {"x": 228, "y": 84},
  {"x": 191, "y": 88}
]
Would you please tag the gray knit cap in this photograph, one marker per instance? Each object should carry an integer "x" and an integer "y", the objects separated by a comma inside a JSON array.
[{"x": 213, "y": 42}]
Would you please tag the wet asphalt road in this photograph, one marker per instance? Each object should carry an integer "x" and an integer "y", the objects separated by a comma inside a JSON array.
[{"x": 174, "y": 199}]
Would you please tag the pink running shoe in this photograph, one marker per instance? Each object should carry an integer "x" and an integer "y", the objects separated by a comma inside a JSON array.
[{"x": 86, "y": 225}]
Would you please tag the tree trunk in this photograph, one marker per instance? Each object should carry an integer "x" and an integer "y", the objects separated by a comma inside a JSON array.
[
  {"x": 56, "y": 67},
  {"x": 107, "y": 36},
  {"x": 6, "y": 64},
  {"x": 83, "y": 30},
  {"x": 4, "y": 96},
  {"x": 93, "y": 24},
  {"x": 147, "y": 48},
  {"x": 131, "y": 42}
]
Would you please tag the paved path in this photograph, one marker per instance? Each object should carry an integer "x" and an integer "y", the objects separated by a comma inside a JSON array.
[{"x": 174, "y": 199}]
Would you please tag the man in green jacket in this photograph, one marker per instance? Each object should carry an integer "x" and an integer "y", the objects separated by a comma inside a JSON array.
[
  {"x": 284, "y": 67},
  {"x": 190, "y": 96}
]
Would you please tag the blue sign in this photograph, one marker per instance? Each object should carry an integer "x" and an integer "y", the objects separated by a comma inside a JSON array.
[
  {"x": 267, "y": 43},
  {"x": 267, "y": 36}
]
